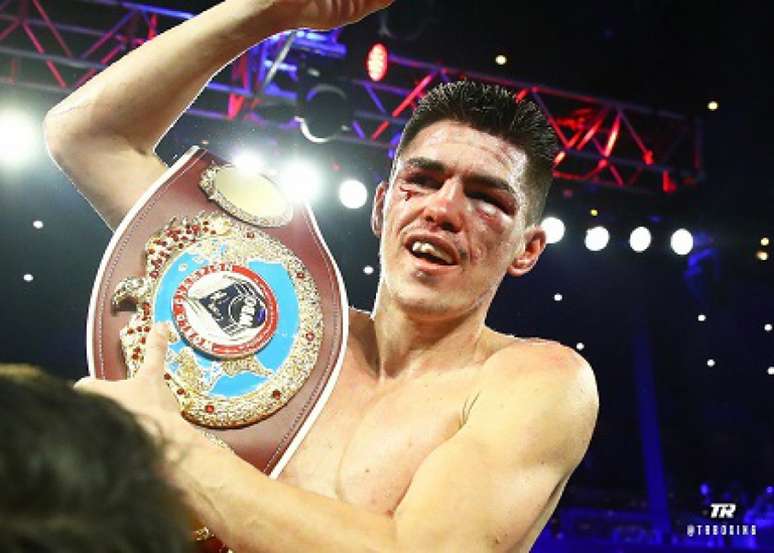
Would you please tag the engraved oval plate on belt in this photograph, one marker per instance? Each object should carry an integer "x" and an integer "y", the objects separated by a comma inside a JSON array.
[
  {"x": 251, "y": 197},
  {"x": 243, "y": 310}
]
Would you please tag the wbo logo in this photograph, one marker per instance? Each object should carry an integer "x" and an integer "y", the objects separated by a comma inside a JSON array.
[{"x": 722, "y": 510}]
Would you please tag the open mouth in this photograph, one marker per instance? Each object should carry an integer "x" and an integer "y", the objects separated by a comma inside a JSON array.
[{"x": 431, "y": 253}]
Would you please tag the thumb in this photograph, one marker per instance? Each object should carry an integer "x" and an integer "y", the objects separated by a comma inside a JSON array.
[{"x": 155, "y": 352}]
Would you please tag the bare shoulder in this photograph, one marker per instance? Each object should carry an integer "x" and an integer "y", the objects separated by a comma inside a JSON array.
[
  {"x": 543, "y": 389},
  {"x": 511, "y": 358},
  {"x": 358, "y": 316},
  {"x": 360, "y": 324}
]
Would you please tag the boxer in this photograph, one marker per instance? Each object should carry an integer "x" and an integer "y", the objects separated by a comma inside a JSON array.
[{"x": 441, "y": 434}]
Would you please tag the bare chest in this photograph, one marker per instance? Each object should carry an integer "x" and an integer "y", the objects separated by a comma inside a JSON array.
[{"x": 369, "y": 440}]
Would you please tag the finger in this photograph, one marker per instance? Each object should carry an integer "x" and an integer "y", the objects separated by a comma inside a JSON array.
[
  {"x": 155, "y": 352},
  {"x": 90, "y": 385},
  {"x": 84, "y": 383}
]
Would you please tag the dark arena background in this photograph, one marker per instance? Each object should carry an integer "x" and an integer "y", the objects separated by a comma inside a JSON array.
[{"x": 664, "y": 112}]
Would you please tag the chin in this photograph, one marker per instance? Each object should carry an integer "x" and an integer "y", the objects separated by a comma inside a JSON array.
[{"x": 431, "y": 302}]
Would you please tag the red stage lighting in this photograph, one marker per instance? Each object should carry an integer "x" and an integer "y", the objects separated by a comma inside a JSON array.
[{"x": 376, "y": 62}]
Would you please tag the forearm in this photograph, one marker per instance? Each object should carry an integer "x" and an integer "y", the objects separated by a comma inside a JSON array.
[
  {"x": 139, "y": 97},
  {"x": 252, "y": 513}
]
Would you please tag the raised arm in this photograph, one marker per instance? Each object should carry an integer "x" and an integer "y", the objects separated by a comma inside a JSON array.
[{"x": 104, "y": 135}]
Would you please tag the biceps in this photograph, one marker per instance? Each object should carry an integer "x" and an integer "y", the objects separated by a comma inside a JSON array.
[{"x": 463, "y": 498}]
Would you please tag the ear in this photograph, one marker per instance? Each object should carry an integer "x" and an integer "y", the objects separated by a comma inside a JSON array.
[
  {"x": 377, "y": 211},
  {"x": 534, "y": 244}
]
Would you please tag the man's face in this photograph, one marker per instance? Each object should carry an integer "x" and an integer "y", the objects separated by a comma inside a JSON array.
[{"x": 452, "y": 220}]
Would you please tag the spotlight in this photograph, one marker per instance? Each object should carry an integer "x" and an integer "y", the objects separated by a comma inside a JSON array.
[
  {"x": 681, "y": 242},
  {"x": 712, "y": 105},
  {"x": 353, "y": 194},
  {"x": 640, "y": 239},
  {"x": 767, "y": 327},
  {"x": 765, "y": 241},
  {"x": 377, "y": 62},
  {"x": 701, "y": 318},
  {"x": 554, "y": 228},
  {"x": 761, "y": 255},
  {"x": 368, "y": 270},
  {"x": 501, "y": 59},
  {"x": 248, "y": 162},
  {"x": 406, "y": 20},
  {"x": 28, "y": 278},
  {"x": 325, "y": 111},
  {"x": 580, "y": 346},
  {"x": 18, "y": 138},
  {"x": 558, "y": 297},
  {"x": 771, "y": 371},
  {"x": 597, "y": 238},
  {"x": 594, "y": 212},
  {"x": 710, "y": 362},
  {"x": 301, "y": 180},
  {"x": 37, "y": 224}
]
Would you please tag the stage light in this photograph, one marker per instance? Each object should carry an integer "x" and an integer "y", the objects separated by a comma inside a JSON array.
[
  {"x": 710, "y": 362},
  {"x": 248, "y": 162},
  {"x": 37, "y": 224},
  {"x": 368, "y": 270},
  {"x": 326, "y": 109},
  {"x": 301, "y": 180},
  {"x": 640, "y": 239},
  {"x": 597, "y": 238},
  {"x": 377, "y": 62},
  {"x": 681, "y": 242},
  {"x": 771, "y": 372},
  {"x": 554, "y": 228},
  {"x": 712, "y": 105},
  {"x": 580, "y": 346},
  {"x": 28, "y": 278},
  {"x": 18, "y": 138},
  {"x": 353, "y": 194},
  {"x": 594, "y": 212},
  {"x": 406, "y": 21},
  {"x": 501, "y": 59},
  {"x": 765, "y": 241},
  {"x": 558, "y": 297},
  {"x": 761, "y": 255},
  {"x": 701, "y": 318},
  {"x": 767, "y": 327}
]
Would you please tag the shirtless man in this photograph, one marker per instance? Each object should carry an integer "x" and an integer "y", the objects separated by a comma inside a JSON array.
[{"x": 441, "y": 434}]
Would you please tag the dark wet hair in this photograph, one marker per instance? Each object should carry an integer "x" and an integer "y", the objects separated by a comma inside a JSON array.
[
  {"x": 80, "y": 475},
  {"x": 493, "y": 109}
]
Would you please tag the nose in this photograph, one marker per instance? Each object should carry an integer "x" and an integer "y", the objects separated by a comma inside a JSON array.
[{"x": 444, "y": 207}]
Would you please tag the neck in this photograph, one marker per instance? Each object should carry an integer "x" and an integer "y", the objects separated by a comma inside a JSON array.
[{"x": 408, "y": 342}]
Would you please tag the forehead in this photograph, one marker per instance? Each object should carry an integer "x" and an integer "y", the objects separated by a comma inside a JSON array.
[{"x": 462, "y": 147}]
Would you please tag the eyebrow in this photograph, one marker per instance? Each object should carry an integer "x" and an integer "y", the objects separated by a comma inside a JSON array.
[{"x": 435, "y": 166}]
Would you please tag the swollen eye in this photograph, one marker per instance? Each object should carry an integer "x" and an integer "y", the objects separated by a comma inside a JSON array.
[{"x": 488, "y": 208}]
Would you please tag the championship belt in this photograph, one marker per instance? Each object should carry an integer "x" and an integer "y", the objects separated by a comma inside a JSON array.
[{"x": 254, "y": 301}]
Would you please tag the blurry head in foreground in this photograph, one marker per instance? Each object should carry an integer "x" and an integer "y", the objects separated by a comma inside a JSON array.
[{"x": 79, "y": 474}]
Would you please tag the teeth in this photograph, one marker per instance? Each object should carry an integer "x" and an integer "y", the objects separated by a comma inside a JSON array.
[{"x": 426, "y": 247}]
